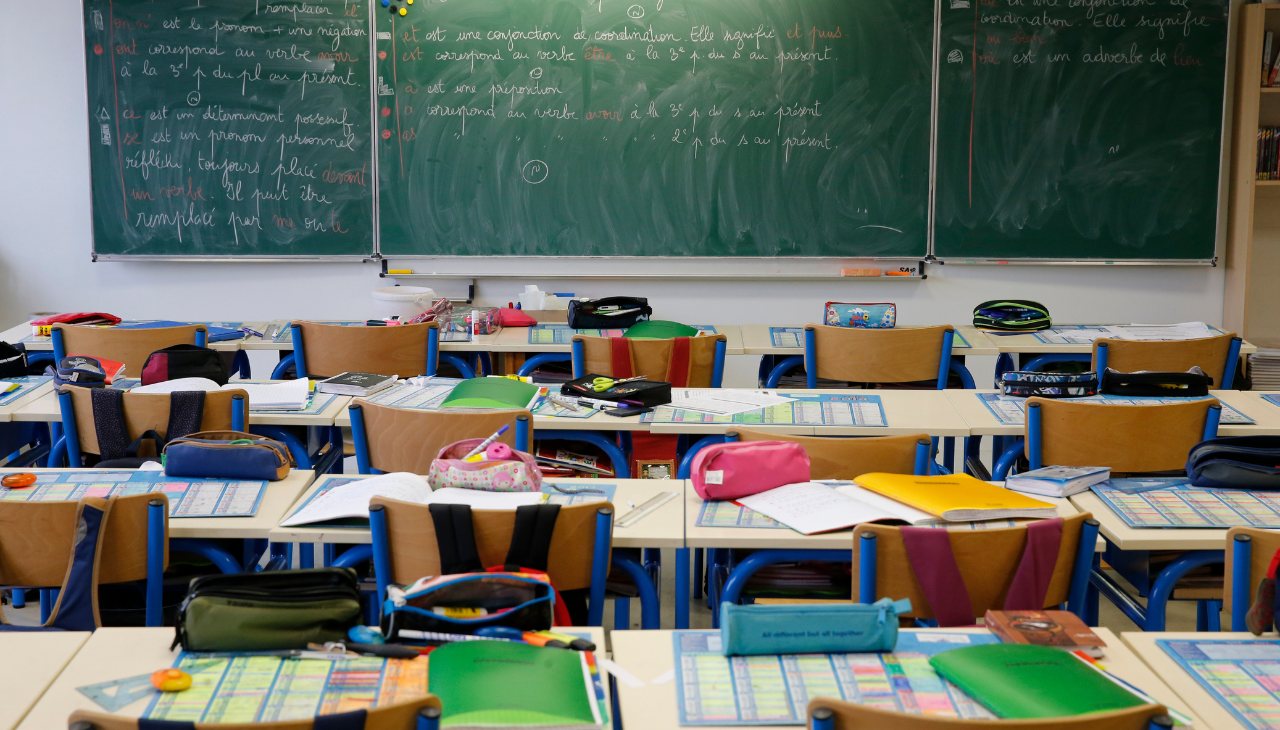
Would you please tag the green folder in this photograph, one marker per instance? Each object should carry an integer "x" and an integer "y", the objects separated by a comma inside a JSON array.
[
  {"x": 491, "y": 393},
  {"x": 658, "y": 329},
  {"x": 504, "y": 683},
  {"x": 1018, "y": 681}
]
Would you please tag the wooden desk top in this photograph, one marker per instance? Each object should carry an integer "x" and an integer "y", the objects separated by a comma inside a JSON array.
[
  {"x": 278, "y": 498},
  {"x": 119, "y": 653},
  {"x": 516, "y": 339},
  {"x": 8, "y": 410},
  {"x": 649, "y": 655},
  {"x": 45, "y": 409},
  {"x": 1028, "y": 343},
  {"x": 32, "y": 662},
  {"x": 597, "y": 422},
  {"x": 757, "y": 341},
  {"x": 1212, "y": 713},
  {"x": 19, "y": 333},
  {"x": 663, "y": 528}
]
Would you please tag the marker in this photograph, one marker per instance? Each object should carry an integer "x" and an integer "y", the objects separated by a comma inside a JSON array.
[
  {"x": 485, "y": 444},
  {"x": 547, "y": 641},
  {"x": 897, "y": 273},
  {"x": 602, "y": 403}
]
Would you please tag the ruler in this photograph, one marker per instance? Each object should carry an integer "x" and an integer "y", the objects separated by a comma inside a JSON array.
[
  {"x": 118, "y": 693},
  {"x": 643, "y": 510}
]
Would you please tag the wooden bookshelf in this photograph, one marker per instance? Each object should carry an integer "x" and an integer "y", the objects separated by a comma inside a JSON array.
[{"x": 1251, "y": 299}]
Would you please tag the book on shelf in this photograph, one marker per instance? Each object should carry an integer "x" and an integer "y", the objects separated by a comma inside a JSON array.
[{"x": 1266, "y": 58}]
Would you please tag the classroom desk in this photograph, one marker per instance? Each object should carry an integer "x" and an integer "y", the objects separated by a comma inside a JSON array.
[
  {"x": 982, "y": 422},
  {"x": 8, "y": 410},
  {"x": 649, "y": 655},
  {"x": 1212, "y": 714},
  {"x": 1026, "y": 343},
  {"x": 516, "y": 339},
  {"x": 119, "y": 653},
  {"x": 756, "y": 340},
  {"x": 478, "y": 343},
  {"x": 279, "y": 497},
  {"x": 597, "y": 422},
  {"x": 32, "y": 661},
  {"x": 663, "y": 528},
  {"x": 22, "y": 333},
  {"x": 906, "y": 412}
]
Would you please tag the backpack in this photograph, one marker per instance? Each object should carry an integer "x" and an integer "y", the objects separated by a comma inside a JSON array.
[
  {"x": 184, "y": 361},
  {"x": 1262, "y": 614},
  {"x": 13, "y": 360},
  {"x": 1236, "y": 462},
  {"x": 186, "y": 412}
]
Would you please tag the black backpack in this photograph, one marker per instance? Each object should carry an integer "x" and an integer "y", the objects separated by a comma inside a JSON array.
[{"x": 184, "y": 361}]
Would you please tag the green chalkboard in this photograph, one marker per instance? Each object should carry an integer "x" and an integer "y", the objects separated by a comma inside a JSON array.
[
  {"x": 1079, "y": 129},
  {"x": 230, "y": 127},
  {"x": 654, "y": 127}
]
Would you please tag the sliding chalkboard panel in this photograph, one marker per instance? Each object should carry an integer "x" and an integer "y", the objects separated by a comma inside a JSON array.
[
  {"x": 652, "y": 128},
  {"x": 230, "y": 127},
  {"x": 1079, "y": 129}
]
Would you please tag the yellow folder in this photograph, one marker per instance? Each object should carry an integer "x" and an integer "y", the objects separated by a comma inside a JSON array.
[{"x": 957, "y": 497}]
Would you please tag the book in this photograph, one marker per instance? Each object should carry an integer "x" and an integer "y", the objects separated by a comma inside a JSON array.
[
  {"x": 348, "y": 504},
  {"x": 813, "y": 507},
  {"x": 509, "y": 684},
  {"x": 357, "y": 384},
  {"x": 1061, "y": 629},
  {"x": 1266, "y": 58},
  {"x": 491, "y": 393},
  {"x": 1058, "y": 481},
  {"x": 562, "y": 459},
  {"x": 282, "y": 395},
  {"x": 112, "y": 369},
  {"x": 1019, "y": 681},
  {"x": 957, "y": 497}
]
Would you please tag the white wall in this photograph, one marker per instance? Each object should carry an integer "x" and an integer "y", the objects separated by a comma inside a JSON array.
[{"x": 45, "y": 242}]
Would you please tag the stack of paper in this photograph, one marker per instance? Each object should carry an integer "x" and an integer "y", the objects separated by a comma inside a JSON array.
[
  {"x": 287, "y": 395},
  {"x": 1181, "y": 331},
  {"x": 1264, "y": 369},
  {"x": 723, "y": 402}
]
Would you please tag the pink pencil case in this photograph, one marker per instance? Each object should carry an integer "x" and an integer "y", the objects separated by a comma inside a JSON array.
[
  {"x": 519, "y": 474},
  {"x": 740, "y": 469}
]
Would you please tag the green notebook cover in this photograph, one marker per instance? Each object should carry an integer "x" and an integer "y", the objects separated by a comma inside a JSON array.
[
  {"x": 1017, "y": 681},
  {"x": 658, "y": 329},
  {"x": 503, "y": 683},
  {"x": 492, "y": 393}
]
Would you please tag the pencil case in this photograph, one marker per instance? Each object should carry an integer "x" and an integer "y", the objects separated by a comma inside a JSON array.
[
  {"x": 518, "y": 474},
  {"x": 810, "y": 628},
  {"x": 608, "y": 313},
  {"x": 524, "y": 601},
  {"x": 227, "y": 455},
  {"x": 645, "y": 392},
  {"x": 1191, "y": 384},
  {"x": 1027, "y": 383},
  {"x": 741, "y": 469},
  {"x": 877, "y": 316}
]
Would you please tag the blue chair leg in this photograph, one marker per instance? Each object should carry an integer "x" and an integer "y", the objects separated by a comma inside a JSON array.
[
  {"x": 621, "y": 613},
  {"x": 207, "y": 550},
  {"x": 19, "y": 597},
  {"x": 296, "y": 447},
  {"x": 155, "y": 562},
  {"x": 355, "y": 555},
  {"x": 697, "y": 572},
  {"x": 1214, "y": 622},
  {"x": 306, "y": 555},
  {"x": 682, "y": 588},
  {"x": 1152, "y": 617},
  {"x": 532, "y": 363},
  {"x": 46, "y": 603},
  {"x": 240, "y": 364},
  {"x": 330, "y": 554},
  {"x": 281, "y": 367},
  {"x": 784, "y": 366},
  {"x": 649, "y": 617},
  {"x": 621, "y": 464},
  {"x": 460, "y": 363},
  {"x": 743, "y": 571},
  {"x": 429, "y": 718}
]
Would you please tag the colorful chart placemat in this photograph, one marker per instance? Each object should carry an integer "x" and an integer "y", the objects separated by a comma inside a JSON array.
[
  {"x": 187, "y": 497},
  {"x": 1012, "y": 411},
  {"x": 429, "y": 397},
  {"x": 1243, "y": 675},
  {"x": 1272, "y": 399},
  {"x": 794, "y": 337},
  {"x": 37, "y": 341},
  {"x": 316, "y": 401},
  {"x": 774, "y": 690},
  {"x": 811, "y": 410},
  {"x": 26, "y": 384},
  {"x": 731, "y": 514},
  {"x": 562, "y": 334},
  {"x": 1173, "y": 502},
  {"x": 1054, "y": 334},
  {"x": 285, "y": 335},
  {"x": 245, "y": 688}
]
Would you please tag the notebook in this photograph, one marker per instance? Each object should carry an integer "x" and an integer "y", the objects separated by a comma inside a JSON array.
[
  {"x": 491, "y": 394},
  {"x": 350, "y": 501},
  {"x": 1061, "y": 629},
  {"x": 357, "y": 384},
  {"x": 812, "y": 507},
  {"x": 288, "y": 395},
  {"x": 1058, "y": 481},
  {"x": 957, "y": 497},
  {"x": 209, "y": 386}
]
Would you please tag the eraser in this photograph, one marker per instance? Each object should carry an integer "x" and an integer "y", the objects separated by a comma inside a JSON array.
[
  {"x": 860, "y": 272},
  {"x": 498, "y": 451}
]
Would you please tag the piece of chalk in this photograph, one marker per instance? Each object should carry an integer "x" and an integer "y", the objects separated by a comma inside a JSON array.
[
  {"x": 860, "y": 272},
  {"x": 399, "y": 271}
]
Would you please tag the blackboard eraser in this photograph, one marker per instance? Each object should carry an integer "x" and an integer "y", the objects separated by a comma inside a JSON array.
[{"x": 860, "y": 272}]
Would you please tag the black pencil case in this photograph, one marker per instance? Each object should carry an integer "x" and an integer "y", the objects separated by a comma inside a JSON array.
[
  {"x": 646, "y": 392},
  {"x": 608, "y": 313},
  {"x": 1152, "y": 384}
]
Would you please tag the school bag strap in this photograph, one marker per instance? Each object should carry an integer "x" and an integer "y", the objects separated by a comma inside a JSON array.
[
  {"x": 934, "y": 564},
  {"x": 678, "y": 372},
  {"x": 186, "y": 413},
  {"x": 455, "y": 538},
  {"x": 108, "y": 422},
  {"x": 531, "y": 539},
  {"x": 620, "y": 358}
]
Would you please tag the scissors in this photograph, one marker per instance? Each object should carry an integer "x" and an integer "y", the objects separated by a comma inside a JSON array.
[{"x": 600, "y": 385}]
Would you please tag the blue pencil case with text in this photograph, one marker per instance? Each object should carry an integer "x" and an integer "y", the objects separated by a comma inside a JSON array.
[{"x": 810, "y": 628}]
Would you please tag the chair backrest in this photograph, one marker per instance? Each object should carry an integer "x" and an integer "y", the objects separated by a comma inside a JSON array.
[
  {"x": 414, "y": 553},
  {"x": 331, "y": 349},
  {"x": 848, "y": 716},
  {"x": 847, "y": 458},
  {"x": 405, "y": 439},
  {"x": 987, "y": 559},
  {"x": 1209, "y": 353},
  {"x": 400, "y": 716},
  {"x": 37, "y": 538},
  {"x": 1262, "y": 545},
  {"x": 147, "y": 411},
  {"x": 900, "y": 355},
  {"x": 129, "y": 346},
  {"x": 1128, "y": 439},
  {"x": 652, "y": 358}
]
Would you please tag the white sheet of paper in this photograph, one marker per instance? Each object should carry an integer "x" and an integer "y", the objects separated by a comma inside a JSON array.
[
  {"x": 812, "y": 507},
  {"x": 352, "y": 499},
  {"x": 885, "y": 504},
  {"x": 180, "y": 384},
  {"x": 1180, "y": 331},
  {"x": 480, "y": 499},
  {"x": 724, "y": 402},
  {"x": 287, "y": 394}
]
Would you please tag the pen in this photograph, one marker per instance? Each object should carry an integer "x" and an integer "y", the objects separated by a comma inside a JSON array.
[
  {"x": 485, "y": 444},
  {"x": 601, "y": 403},
  {"x": 574, "y": 642}
]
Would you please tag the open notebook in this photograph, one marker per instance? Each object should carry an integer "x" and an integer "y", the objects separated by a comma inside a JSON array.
[
  {"x": 812, "y": 507},
  {"x": 283, "y": 395},
  {"x": 351, "y": 500}
]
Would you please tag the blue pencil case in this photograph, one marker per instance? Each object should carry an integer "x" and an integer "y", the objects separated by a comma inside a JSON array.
[
  {"x": 879, "y": 316},
  {"x": 810, "y": 628}
]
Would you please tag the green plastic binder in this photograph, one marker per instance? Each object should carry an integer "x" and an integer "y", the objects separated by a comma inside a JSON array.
[
  {"x": 500, "y": 683},
  {"x": 658, "y": 329},
  {"x": 490, "y": 393}
]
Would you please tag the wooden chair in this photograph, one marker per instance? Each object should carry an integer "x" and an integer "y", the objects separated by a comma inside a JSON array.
[
  {"x": 38, "y": 541},
  {"x": 654, "y": 359},
  {"x": 324, "y": 350},
  {"x": 900, "y": 355},
  {"x": 1216, "y": 356},
  {"x": 405, "y": 548},
  {"x": 846, "y": 458},
  {"x": 826, "y": 713},
  {"x": 987, "y": 560},
  {"x": 1128, "y": 439},
  {"x": 418, "y": 714},
  {"x": 403, "y": 439},
  {"x": 223, "y": 410},
  {"x": 129, "y": 346},
  {"x": 1248, "y": 555}
]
